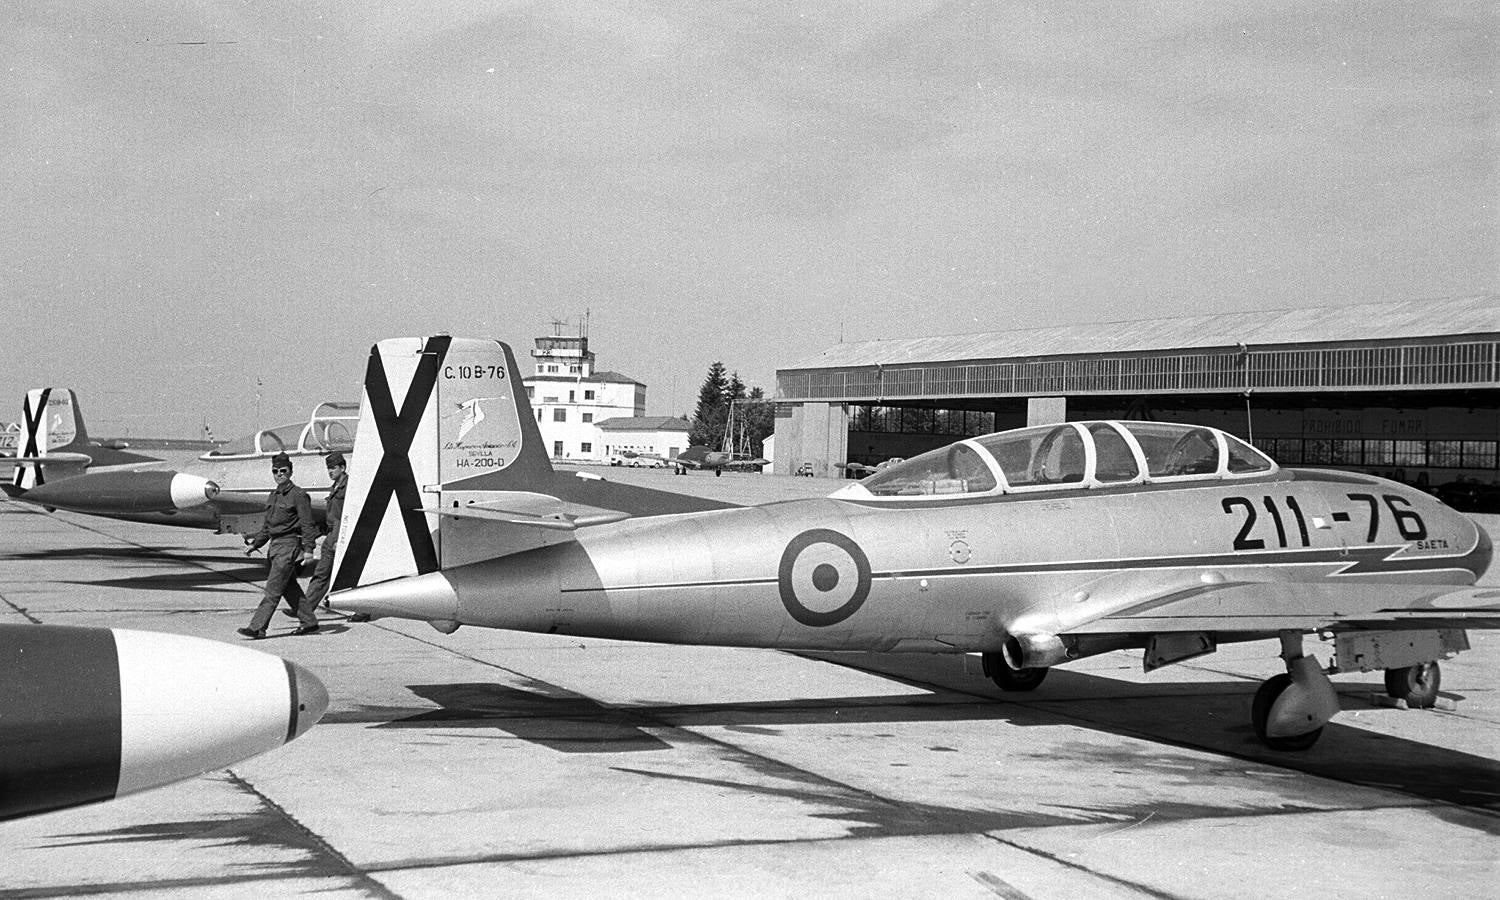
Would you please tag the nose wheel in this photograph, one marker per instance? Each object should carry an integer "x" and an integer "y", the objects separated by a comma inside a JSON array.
[
  {"x": 1009, "y": 679},
  {"x": 1260, "y": 712},
  {"x": 1290, "y": 709}
]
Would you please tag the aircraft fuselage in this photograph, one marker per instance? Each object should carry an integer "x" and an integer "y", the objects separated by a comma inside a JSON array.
[{"x": 936, "y": 575}]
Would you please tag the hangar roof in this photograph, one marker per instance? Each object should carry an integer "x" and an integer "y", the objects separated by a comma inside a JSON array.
[{"x": 1478, "y": 314}]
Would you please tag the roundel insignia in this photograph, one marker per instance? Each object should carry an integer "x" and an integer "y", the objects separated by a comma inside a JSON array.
[{"x": 824, "y": 577}]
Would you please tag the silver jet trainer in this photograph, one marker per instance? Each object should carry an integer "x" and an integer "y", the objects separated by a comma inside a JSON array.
[
  {"x": 1031, "y": 547},
  {"x": 225, "y": 490}
]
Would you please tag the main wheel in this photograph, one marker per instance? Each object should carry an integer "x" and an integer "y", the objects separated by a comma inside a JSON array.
[
  {"x": 1417, "y": 685},
  {"x": 1008, "y": 679},
  {"x": 1260, "y": 713}
]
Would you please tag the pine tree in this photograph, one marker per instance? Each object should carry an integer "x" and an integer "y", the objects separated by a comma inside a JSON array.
[{"x": 713, "y": 408}]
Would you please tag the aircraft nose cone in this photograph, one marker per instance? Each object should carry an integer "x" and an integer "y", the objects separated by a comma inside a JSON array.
[
  {"x": 309, "y": 700},
  {"x": 1483, "y": 553},
  {"x": 188, "y": 491}
]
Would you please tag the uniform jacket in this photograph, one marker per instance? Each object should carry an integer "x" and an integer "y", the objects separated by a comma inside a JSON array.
[
  {"x": 288, "y": 514},
  {"x": 335, "y": 510}
]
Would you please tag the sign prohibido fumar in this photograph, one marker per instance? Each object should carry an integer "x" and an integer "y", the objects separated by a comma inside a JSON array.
[{"x": 481, "y": 432}]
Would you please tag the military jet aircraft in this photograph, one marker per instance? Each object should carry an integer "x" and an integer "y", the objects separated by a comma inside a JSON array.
[
  {"x": 699, "y": 457},
  {"x": 50, "y": 442},
  {"x": 1032, "y": 547},
  {"x": 90, "y": 714},
  {"x": 225, "y": 490}
]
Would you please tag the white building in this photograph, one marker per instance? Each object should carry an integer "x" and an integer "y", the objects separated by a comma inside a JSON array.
[
  {"x": 664, "y": 436},
  {"x": 570, "y": 398}
]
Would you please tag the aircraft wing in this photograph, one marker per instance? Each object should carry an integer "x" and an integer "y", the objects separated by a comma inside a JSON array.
[
  {"x": 65, "y": 458},
  {"x": 535, "y": 510},
  {"x": 1258, "y": 600},
  {"x": 745, "y": 463},
  {"x": 240, "y": 503}
]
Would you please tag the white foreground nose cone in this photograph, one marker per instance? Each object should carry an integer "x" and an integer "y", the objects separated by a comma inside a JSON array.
[
  {"x": 189, "y": 491},
  {"x": 90, "y": 714},
  {"x": 189, "y": 706},
  {"x": 426, "y": 598}
]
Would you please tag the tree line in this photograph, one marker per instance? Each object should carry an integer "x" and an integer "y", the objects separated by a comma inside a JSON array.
[{"x": 752, "y": 411}]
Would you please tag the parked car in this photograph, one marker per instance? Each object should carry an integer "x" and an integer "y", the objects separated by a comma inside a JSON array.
[
  {"x": 1469, "y": 496},
  {"x": 805, "y": 470}
]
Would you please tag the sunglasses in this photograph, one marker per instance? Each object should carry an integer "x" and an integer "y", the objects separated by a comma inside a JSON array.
[{"x": 281, "y": 471}]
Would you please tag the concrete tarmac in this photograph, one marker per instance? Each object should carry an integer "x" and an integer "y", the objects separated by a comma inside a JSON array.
[{"x": 489, "y": 763}]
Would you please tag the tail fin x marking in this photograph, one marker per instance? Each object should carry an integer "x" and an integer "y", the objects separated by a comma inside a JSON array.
[{"x": 394, "y": 476}]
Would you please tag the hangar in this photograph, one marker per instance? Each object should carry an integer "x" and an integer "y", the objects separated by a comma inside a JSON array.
[{"x": 1408, "y": 390}]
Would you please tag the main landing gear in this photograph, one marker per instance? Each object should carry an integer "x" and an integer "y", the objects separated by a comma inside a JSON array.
[
  {"x": 1417, "y": 685},
  {"x": 1010, "y": 679}
]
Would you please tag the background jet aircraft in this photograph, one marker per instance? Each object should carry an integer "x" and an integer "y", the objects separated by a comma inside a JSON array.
[
  {"x": 700, "y": 457},
  {"x": 90, "y": 714},
  {"x": 1032, "y": 547},
  {"x": 225, "y": 490},
  {"x": 50, "y": 442}
]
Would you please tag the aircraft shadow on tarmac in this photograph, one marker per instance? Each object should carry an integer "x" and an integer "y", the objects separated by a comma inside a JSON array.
[
  {"x": 204, "y": 572},
  {"x": 152, "y": 555},
  {"x": 1210, "y": 717},
  {"x": 197, "y": 580}
]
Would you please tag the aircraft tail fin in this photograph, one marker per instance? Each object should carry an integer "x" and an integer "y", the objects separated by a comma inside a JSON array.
[
  {"x": 441, "y": 418},
  {"x": 51, "y": 425}
]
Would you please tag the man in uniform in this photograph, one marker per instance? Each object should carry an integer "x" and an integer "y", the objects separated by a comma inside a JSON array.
[
  {"x": 290, "y": 531},
  {"x": 338, "y": 473}
]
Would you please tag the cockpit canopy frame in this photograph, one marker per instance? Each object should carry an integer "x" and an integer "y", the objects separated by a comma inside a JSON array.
[
  {"x": 330, "y": 427},
  {"x": 1069, "y": 456}
]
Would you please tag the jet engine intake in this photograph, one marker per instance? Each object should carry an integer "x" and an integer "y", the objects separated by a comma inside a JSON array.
[{"x": 1035, "y": 651}]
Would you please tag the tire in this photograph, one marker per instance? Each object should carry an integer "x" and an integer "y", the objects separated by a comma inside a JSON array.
[
  {"x": 1260, "y": 714},
  {"x": 1008, "y": 679},
  {"x": 1417, "y": 685}
]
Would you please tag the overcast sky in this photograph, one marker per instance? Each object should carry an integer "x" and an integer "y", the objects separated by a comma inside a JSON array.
[{"x": 201, "y": 195}]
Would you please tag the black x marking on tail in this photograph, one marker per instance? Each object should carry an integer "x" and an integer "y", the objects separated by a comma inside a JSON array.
[
  {"x": 34, "y": 419},
  {"x": 394, "y": 476}
]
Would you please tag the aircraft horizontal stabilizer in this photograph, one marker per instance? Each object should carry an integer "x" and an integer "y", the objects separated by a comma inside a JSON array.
[{"x": 535, "y": 510}]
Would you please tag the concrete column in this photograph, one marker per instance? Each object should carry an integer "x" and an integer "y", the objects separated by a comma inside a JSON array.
[
  {"x": 1046, "y": 410},
  {"x": 816, "y": 433}
]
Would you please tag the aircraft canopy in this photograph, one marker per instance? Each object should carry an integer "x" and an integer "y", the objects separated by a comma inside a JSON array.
[
  {"x": 331, "y": 427},
  {"x": 1071, "y": 456}
]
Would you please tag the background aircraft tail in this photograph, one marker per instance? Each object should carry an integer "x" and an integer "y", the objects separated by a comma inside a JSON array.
[
  {"x": 51, "y": 426},
  {"x": 443, "y": 422}
]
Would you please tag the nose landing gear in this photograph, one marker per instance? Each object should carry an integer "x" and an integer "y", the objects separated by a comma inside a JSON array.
[
  {"x": 1009, "y": 679},
  {"x": 1290, "y": 710}
]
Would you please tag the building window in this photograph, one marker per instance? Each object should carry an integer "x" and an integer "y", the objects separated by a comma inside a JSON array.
[
  {"x": 539, "y": 415},
  {"x": 557, "y": 448},
  {"x": 587, "y": 448},
  {"x": 1443, "y": 454},
  {"x": 588, "y": 417},
  {"x": 588, "y": 395},
  {"x": 1346, "y": 453},
  {"x": 573, "y": 370},
  {"x": 1479, "y": 454},
  {"x": 1411, "y": 453},
  {"x": 1380, "y": 453},
  {"x": 559, "y": 415},
  {"x": 570, "y": 396}
]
